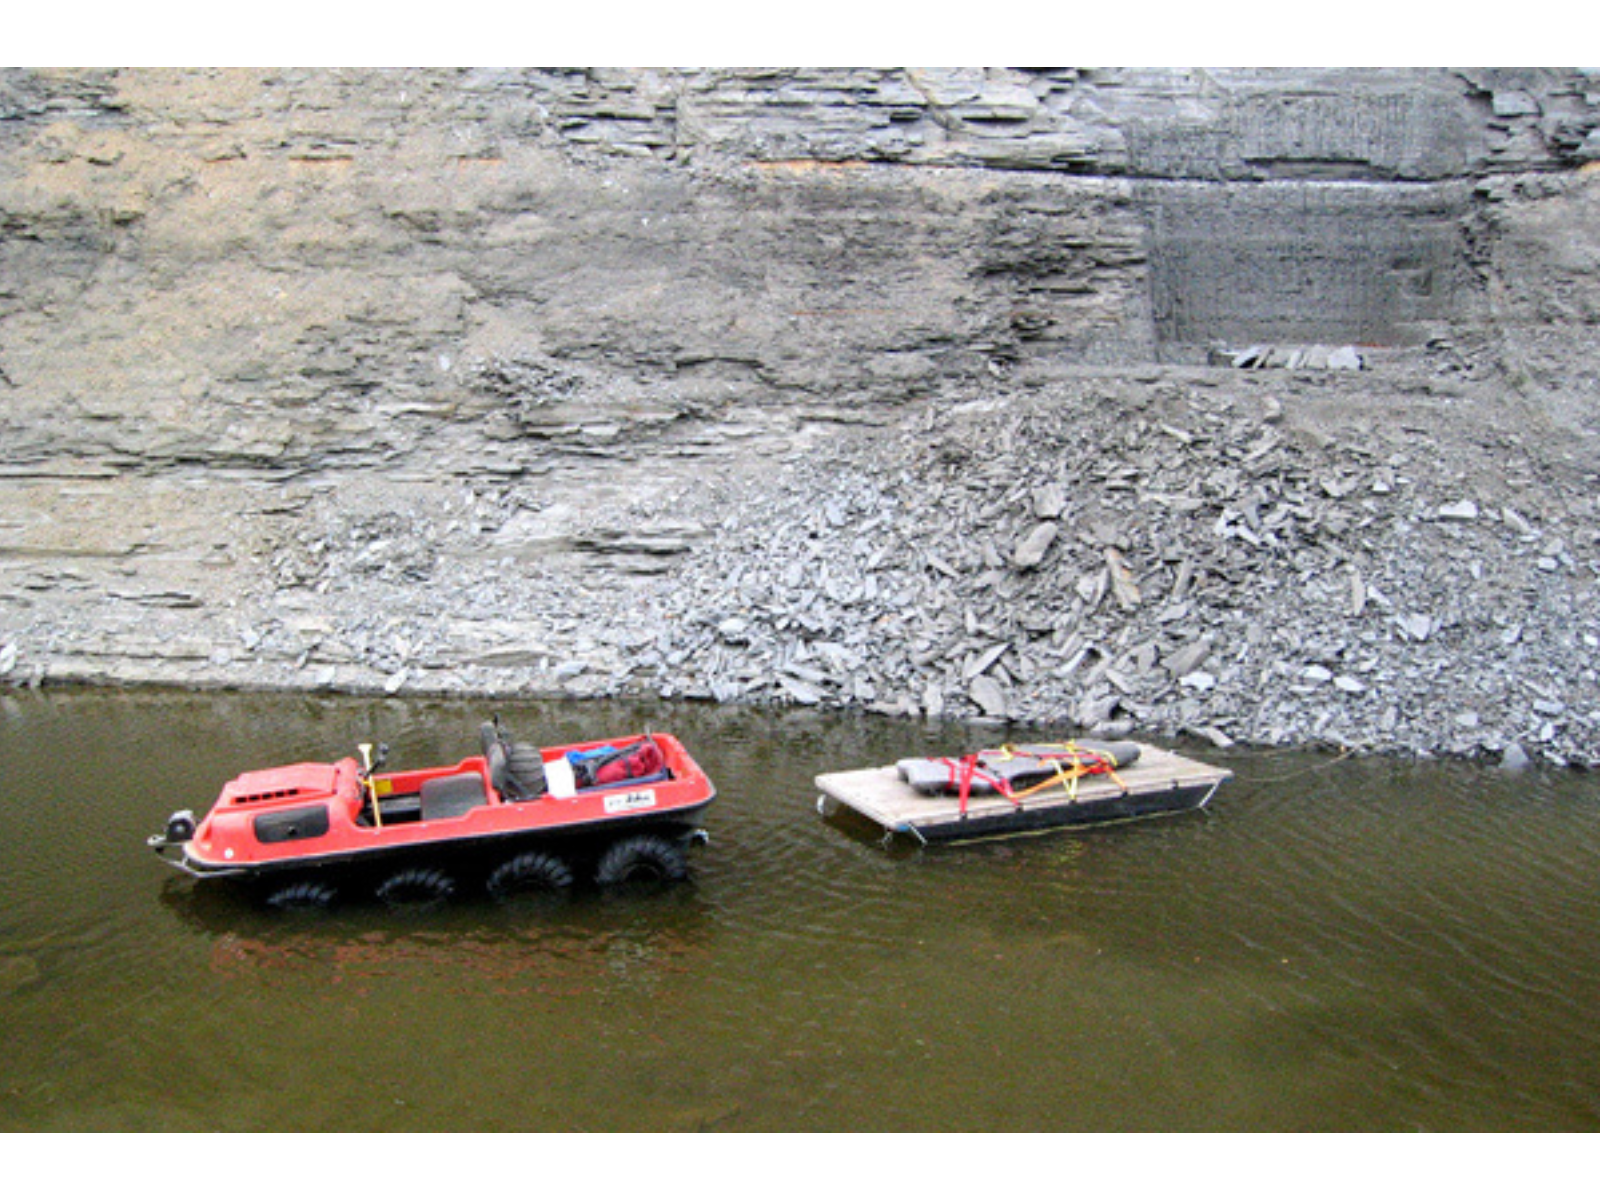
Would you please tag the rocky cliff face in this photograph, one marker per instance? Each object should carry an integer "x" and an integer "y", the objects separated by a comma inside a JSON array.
[{"x": 463, "y": 379}]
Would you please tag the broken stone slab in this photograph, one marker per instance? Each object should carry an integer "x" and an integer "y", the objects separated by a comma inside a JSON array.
[
  {"x": 987, "y": 693},
  {"x": 984, "y": 661},
  {"x": 1188, "y": 659},
  {"x": 1031, "y": 549},
  {"x": 1123, "y": 587},
  {"x": 801, "y": 692},
  {"x": 1515, "y": 520},
  {"x": 1049, "y": 502},
  {"x": 1095, "y": 710},
  {"x": 1357, "y": 593},
  {"x": 1416, "y": 626},
  {"x": 1515, "y": 758}
]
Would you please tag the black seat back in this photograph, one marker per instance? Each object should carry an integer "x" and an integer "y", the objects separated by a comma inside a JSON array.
[{"x": 499, "y": 767}]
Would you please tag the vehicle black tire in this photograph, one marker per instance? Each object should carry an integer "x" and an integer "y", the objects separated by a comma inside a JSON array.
[
  {"x": 305, "y": 895},
  {"x": 645, "y": 858},
  {"x": 416, "y": 889},
  {"x": 537, "y": 873}
]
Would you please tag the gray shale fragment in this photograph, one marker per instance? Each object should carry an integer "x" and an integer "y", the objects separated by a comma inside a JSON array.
[
  {"x": 990, "y": 697},
  {"x": 1030, "y": 551}
]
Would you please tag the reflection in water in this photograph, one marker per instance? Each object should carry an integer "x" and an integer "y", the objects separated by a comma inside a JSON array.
[
  {"x": 1336, "y": 944},
  {"x": 566, "y": 949}
]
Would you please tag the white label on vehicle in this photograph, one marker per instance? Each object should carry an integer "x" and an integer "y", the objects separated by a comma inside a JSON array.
[{"x": 631, "y": 801}]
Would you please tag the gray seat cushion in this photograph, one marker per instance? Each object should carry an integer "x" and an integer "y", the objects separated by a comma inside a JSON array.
[{"x": 452, "y": 795}]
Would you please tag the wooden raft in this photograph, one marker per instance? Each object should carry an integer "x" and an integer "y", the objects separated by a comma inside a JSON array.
[{"x": 1159, "y": 782}]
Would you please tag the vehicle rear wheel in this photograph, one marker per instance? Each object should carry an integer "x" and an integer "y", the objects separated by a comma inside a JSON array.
[
  {"x": 416, "y": 889},
  {"x": 642, "y": 859},
  {"x": 306, "y": 895},
  {"x": 537, "y": 873}
]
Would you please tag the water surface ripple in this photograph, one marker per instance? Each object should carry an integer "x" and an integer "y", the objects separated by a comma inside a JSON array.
[{"x": 1338, "y": 944}]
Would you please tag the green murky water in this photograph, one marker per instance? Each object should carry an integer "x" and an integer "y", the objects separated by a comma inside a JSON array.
[{"x": 1334, "y": 945}]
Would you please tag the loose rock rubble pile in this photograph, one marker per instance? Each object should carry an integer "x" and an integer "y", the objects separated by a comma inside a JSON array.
[
  {"x": 1181, "y": 564},
  {"x": 1178, "y": 555}
]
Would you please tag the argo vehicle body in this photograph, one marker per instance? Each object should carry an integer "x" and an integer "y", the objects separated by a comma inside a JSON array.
[{"x": 511, "y": 819}]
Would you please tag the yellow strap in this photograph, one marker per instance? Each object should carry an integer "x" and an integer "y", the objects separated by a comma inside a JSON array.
[
  {"x": 1062, "y": 752},
  {"x": 1068, "y": 780}
]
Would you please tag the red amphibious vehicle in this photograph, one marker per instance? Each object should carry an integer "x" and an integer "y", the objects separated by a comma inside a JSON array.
[{"x": 515, "y": 818}]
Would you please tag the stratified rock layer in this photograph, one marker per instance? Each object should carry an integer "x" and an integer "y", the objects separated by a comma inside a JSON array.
[{"x": 1257, "y": 403}]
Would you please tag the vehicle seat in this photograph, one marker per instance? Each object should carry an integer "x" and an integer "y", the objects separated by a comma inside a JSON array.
[
  {"x": 516, "y": 770},
  {"x": 453, "y": 795},
  {"x": 499, "y": 768}
]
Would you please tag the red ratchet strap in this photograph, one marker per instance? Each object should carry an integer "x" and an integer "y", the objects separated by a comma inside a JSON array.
[{"x": 965, "y": 769}]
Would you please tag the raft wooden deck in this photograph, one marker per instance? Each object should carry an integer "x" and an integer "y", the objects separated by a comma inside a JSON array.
[{"x": 1159, "y": 782}]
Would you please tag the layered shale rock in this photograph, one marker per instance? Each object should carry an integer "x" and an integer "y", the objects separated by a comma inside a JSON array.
[{"x": 1088, "y": 395}]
